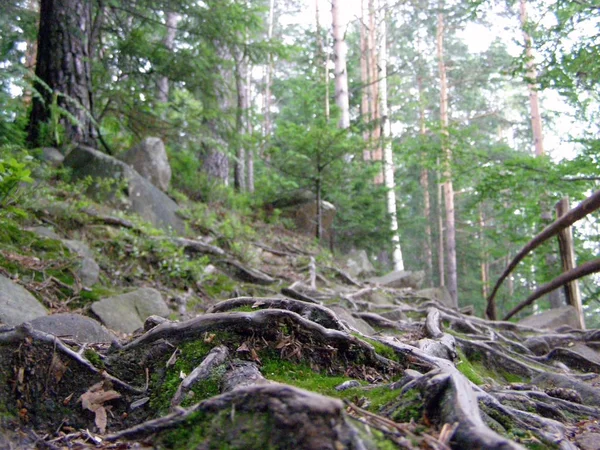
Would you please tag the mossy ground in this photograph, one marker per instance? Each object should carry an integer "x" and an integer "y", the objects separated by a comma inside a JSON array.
[{"x": 474, "y": 369}]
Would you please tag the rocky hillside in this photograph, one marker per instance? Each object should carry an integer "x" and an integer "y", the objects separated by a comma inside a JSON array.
[{"x": 189, "y": 325}]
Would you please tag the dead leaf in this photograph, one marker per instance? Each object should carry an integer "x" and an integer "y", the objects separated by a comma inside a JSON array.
[
  {"x": 100, "y": 420},
  {"x": 67, "y": 400},
  {"x": 94, "y": 399},
  {"x": 254, "y": 355},
  {"x": 57, "y": 368},
  {"x": 173, "y": 359},
  {"x": 208, "y": 338},
  {"x": 243, "y": 348}
]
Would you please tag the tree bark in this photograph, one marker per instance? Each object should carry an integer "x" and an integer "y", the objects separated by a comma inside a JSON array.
[
  {"x": 241, "y": 67},
  {"x": 386, "y": 143},
  {"x": 64, "y": 66},
  {"x": 447, "y": 151},
  {"x": 534, "y": 103},
  {"x": 365, "y": 80},
  {"x": 340, "y": 73},
  {"x": 424, "y": 181},
  {"x": 162, "y": 85},
  {"x": 377, "y": 151},
  {"x": 268, "y": 73}
]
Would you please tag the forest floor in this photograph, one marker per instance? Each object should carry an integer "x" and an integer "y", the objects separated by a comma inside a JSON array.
[{"x": 261, "y": 354}]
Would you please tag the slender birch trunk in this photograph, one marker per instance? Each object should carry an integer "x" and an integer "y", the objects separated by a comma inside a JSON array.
[
  {"x": 340, "y": 72},
  {"x": 386, "y": 127},
  {"x": 447, "y": 186}
]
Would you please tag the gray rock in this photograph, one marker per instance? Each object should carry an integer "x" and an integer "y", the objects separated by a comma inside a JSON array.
[
  {"x": 357, "y": 263},
  {"x": 399, "y": 279},
  {"x": 358, "y": 324},
  {"x": 82, "y": 329},
  {"x": 305, "y": 217},
  {"x": 589, "y": 395},
  {"x": 141, "y": 196},
  {"x": 150, "y": 160},
  {"x": 17, "y": 305},
  {"x": 52, "y": 156},
  {"x": 553, "y": 319},
  {"x": 127, "y": 312},
  {"x": 589, "y": 441},
  {"x": 46, "y": 232},
  {"x": 438, "y": 294},
  {"x": 89, "y": 270}
]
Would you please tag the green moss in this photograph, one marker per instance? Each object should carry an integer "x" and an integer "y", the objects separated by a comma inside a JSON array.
[
  {"x": 243, "y": 309},
  {"x": 165, "y": 381},
  {"x": 475, "y": 370},
  {"x": 380, "y": 348},
  {"x": 225, "y": 430},
  {"x": 94, "y": 358},
  {"x": 372, "y": 437},
  {"x": 409, "y": 407},
  {"x": 467, "y": 369}
]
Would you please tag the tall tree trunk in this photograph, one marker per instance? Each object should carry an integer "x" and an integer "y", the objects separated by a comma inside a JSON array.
[
  {"x": 365, "y": 79},
  {"x": 268, "y": 74},
  {"x": 424, "y": 181},
  {"x": 322, "y": 58},
  {"x": 485, "y": 264},
  {"x": 241, "y": 120},
  {"x": 162, "y": 85},
  {"x": 30, "y": 54},
  {"x": 248, "y": 132},
  {"x": 386, "y": 127},
  {"x": 447, "y": 186},
  {"x": 377, "y": 151},
  {"x": 340, "y": 72},
  {"x": 63, "y": 64},
  {"x": 440, "y": 216},
  {"x": 534, "y": 103}
]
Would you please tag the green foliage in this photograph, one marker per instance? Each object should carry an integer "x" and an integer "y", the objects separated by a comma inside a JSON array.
[{"x": 13, "y": 172}]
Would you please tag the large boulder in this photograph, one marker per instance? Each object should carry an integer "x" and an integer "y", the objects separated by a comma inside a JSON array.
[
  {"x": 51, "y": 156},
  {"x": 400, "y": 279},
  {"x": 17, "y": 305},
  {"x": 357, "y": 263},
  {"x": 141, "y": 196},
  {"x": 438, "y": 294},
  {"x": 80, "y": 328},
  {"x": 553, "y": 319},
  {"x": 127, "y": 312},
  {"x": 305, "y": 217},
  {"x": 149, "y": 159}
]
